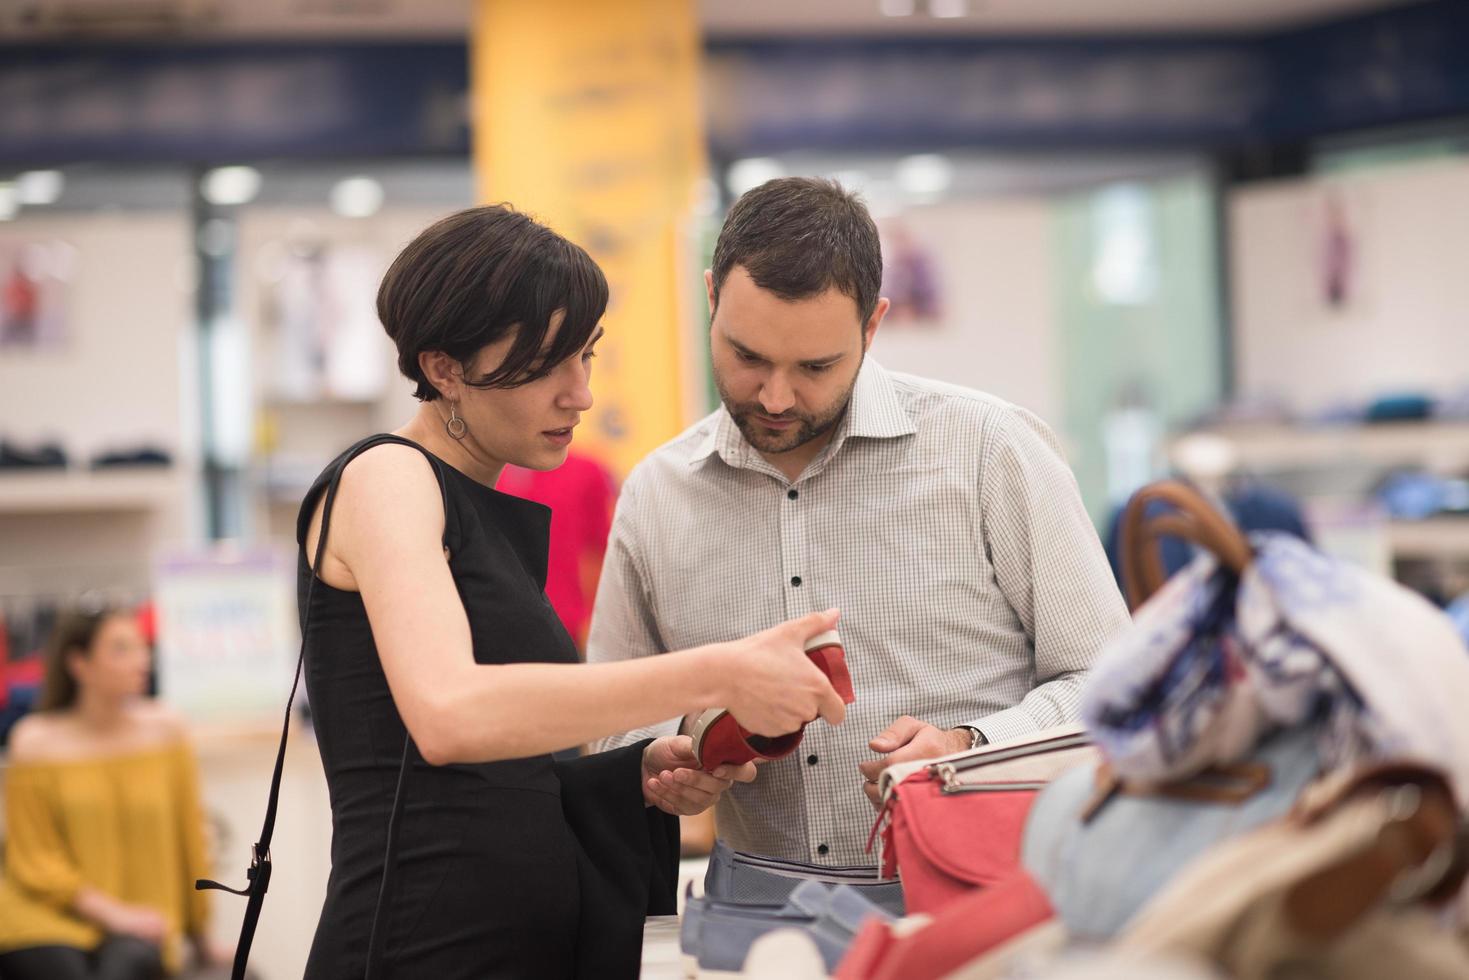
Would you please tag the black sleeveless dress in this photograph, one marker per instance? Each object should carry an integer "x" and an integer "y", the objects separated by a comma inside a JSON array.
[{"x": 521, "y": 868}]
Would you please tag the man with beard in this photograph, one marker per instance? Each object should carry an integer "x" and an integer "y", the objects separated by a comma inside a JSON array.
[{"x": 941, "y": 521}]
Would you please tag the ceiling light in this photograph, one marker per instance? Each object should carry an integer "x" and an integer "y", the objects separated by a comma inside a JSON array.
[
  {"x": 39, "y": 186},
  {"x": 948, "y": 8},
  {"x": 897, "y": 8},
  {"x": 228, "y": 186},
  {"x": 925, "y": 174},
  {"x": 357, "y": 197},
  {"x": 750, "y": 173}
]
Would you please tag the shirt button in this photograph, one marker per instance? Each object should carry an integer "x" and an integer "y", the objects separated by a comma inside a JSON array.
[
  {"x": 811, "y": 760},
  {"x": 822, "y": 849},
  {"x": 796, "y": 580},
  {"x": 793, "y": 493}
]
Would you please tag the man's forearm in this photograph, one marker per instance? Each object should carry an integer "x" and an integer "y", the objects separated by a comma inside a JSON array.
[
  {"x": 670, "y": 727},
  {"x": 1056, "y": 702}
]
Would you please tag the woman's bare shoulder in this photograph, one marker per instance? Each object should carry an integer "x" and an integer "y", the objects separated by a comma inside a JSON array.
[
  {"x": 389, "y": 487},
  {"x": 390, "y": 475},
  {"x": 34, "y": 738},
  {"x": 157, "y": 722}
]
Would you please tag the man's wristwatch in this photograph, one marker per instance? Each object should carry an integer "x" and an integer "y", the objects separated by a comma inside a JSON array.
[{"x": 976, "y": 737}]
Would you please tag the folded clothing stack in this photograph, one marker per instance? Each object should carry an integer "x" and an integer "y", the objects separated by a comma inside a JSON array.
[
  {"x": 747, "y": 896},
  {"x": 132, "y": 457},
  {"x": 47, "y": 456},
  {"x": 715, "y": 936}
]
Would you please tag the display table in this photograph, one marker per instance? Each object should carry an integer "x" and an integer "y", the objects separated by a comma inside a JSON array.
[{"x": 660, "y": 948}]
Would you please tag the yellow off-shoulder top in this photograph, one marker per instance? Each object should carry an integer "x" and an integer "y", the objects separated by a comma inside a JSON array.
[{"x": 128, "y": 825}]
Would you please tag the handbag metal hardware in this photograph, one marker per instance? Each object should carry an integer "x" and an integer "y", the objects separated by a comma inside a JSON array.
[
  {"x": 1077, "y": 741},
  {"x": 951, "y": 785}
]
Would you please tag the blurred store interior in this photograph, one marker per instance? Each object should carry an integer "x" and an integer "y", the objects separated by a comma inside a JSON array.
[{"x": 1221, "y": 238}]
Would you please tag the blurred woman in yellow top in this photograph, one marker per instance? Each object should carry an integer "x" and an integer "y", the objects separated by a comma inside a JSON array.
[{"x": 104, "y": 832}]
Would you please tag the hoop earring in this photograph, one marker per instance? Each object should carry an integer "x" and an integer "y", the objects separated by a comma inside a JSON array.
[{"x": 454, "y": 425}]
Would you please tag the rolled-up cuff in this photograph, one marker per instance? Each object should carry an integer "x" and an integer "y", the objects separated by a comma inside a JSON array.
[{"x": 1006, "y": 725}]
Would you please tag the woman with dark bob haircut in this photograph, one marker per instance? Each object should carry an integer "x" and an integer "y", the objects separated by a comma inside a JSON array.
[{"x": 441, "y": 679}]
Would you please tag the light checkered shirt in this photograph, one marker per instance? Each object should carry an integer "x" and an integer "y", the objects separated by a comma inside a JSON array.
[{"x": 942, "y": 522}]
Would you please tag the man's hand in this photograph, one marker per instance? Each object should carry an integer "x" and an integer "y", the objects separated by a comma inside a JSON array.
[
  {"x": 673, "y": 782},
  {"x": 905, "y": 740}
]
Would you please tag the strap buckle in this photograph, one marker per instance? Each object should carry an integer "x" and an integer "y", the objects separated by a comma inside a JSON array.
[{"x": 258, "y": 875}]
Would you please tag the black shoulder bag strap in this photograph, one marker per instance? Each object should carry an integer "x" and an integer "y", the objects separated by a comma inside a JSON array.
[{"x": 258, "y": 874}]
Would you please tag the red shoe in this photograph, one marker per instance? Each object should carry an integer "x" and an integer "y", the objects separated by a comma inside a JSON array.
[{"x": 720, "y": 740}]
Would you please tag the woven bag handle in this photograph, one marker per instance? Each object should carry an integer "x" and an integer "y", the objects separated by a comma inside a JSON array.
[{"x": 1193, "y": 518}]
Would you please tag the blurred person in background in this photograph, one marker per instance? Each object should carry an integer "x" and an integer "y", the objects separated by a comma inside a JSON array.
[
  {"x": 440, "y": 677},
  {"x": 581, "y": 493},
  {"x": 105, "y": 829},
  {"x": 943, "y": 521}
]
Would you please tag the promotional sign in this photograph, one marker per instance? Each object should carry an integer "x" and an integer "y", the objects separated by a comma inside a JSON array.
[
  {"x": 227, "y": 633},
  {"x": 587, "y": 116}
]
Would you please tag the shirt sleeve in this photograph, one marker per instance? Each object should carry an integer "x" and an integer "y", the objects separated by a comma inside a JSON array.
[
  {"x": 192, "y": 839},
  {"x": 623, "y": 624},
  {"x": 1050, "y": 567},
  {"x": 36, "y": 854}
]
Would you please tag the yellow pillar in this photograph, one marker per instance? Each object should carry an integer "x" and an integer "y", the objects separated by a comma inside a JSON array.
[{"x": 586, "y": 115}]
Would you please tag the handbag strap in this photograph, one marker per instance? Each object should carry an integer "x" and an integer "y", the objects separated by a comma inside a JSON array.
[
  {"x": 1419, "y": 851},
  {"x": 1228, "y": 783},
  {"x": 258, "y": 874},
  {"x": 1192, "y": 517}
]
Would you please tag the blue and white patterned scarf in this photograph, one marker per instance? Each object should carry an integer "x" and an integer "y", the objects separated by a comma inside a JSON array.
[{"x": 1210, "y": 665}]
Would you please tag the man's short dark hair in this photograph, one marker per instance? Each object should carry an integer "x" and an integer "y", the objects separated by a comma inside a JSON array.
[
  {"x": 798, "y": 237},
  {"x": 471, "y": 278}
]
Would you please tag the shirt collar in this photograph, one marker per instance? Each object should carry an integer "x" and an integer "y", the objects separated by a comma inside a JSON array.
[
  {"x": 722, "y": 437},
  {"x": 874, "y": 413}
]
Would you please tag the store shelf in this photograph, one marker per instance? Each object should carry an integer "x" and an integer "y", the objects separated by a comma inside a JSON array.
[
  {"x": 1442, "y": 446},
  {"x": 1435, "y": 537},
  {"x": 61, "y": 492}
]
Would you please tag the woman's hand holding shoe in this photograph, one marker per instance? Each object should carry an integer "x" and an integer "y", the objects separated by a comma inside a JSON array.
[{"x": 774, "y": 688}]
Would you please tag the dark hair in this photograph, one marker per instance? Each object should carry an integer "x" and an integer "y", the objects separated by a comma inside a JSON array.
[
  {"x": 799, "y": 236},
  {"x": 75, "y": 632},
  {"x": 471, "y": 278}
]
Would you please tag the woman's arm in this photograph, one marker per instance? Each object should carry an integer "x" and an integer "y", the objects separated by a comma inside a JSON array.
[
  {"x": 191, "y": 822},
  {"x": 119, "y": 918},
  {"x": 38, "y": 858},
  {"x": 387, "y": 529}
]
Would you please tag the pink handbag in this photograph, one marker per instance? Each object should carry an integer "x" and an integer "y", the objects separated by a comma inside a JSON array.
[
  {"x": 954, "y": 824},
  {"x": 979, "y": 923}
]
